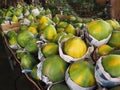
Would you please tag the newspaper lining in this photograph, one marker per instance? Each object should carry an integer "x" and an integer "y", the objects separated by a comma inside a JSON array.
[
  {"x": 74, "y": 86},
  {"x": 103, "y": 78},
  {"x": 68, "y": 58}
]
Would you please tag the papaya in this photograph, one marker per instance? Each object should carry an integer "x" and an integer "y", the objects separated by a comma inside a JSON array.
[
  {"x": 34, "y": 73},
  {"x": 12, "y": 37},
  {"x": 32, "y": 30},
  {"x": 49, "y": 32},
  {"x": 99, "y": 29},
  {"x": 50, "y": 49},
  {"x": 75, "y": 47},
  {"x": 104, "y": 49},
  {"x": 115, "y": 39},
  {"x": 82, "y": 73},
  {"x": 31, "y": 46},
  {"x": 54, "y": 67},
  {"x": 111, "y": 64},
  {"x": 28, "y": 61},
  {"x": 23, "y": 37},
  {"x": 115, "y": 24},
  {"x": 70, "y": 29},
  {"x": 59, "y": 86}
]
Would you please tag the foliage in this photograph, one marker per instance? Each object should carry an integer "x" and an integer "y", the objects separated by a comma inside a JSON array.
[{"x": 60, "y": 7}]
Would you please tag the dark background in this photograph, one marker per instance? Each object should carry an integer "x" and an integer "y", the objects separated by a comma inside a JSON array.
[{"x": 11, "y": 78}]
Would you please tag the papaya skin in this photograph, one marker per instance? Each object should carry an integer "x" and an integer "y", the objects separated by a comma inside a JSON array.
[
  {"x": 54, "y": 68},
  {"x": 75, "y": 47},
  {"x": 99, "y": 29},
  {"x": 82, "y": 73},
  {"x": 111, "y": 64}
]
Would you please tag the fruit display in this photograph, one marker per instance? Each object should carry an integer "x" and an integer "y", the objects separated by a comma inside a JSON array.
[
  {"x": 75, "y": 43},
  {"x": 53, "y": 67},
  {"x": 50, "y": 49},
  {"x": 113, "y": 23},
  {"x": 12, "y": 37},
  {"x": 114, "y": 40},
  {"x": 27, "y": 61},
  {"x": 23, "y": 37},
  {"x": 108, "y": 67},
  {"x": 58, "y": 87},
  {"x": 104, "y": 49},
  {"x": 80, "y": 76},
  {"x": 63, "y": 50},
  {"x": 99, "y": 30}
]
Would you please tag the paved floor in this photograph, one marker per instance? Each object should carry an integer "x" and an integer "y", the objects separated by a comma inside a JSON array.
[{"x": 11, "y": 79}]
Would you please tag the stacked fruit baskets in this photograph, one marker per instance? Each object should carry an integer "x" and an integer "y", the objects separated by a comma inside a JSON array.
[{"x": 63, "y": 51}]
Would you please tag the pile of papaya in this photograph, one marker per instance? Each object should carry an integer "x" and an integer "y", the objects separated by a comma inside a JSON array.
[{"x": 65, "y": 52}]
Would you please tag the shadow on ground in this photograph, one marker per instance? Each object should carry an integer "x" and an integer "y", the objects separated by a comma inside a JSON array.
[{"x": 11, "y": 79}]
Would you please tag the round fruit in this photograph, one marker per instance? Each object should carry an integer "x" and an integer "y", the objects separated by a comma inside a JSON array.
[
  {"x": 66, "y": 37},
  {"x": 115, "y": 39},
  {"x": 31, "y": 46},
  {"x": 56, "y": 19},
  {"x": 17, "y": 12},
  {"x": 104, "y": 49},
  {"x": 59, "y": 86},
  {"x": 72, "y": 18},
  {"x": 62, "y": 24},
  {"x": 57, "y": 36},
  {"x": 75, "y": 47},
  {"x": 42, "y": 26},
  {"x": 78, "y": 25},
  {"x": 27, "y": 61},
  {"x": 12, "y": 37},
  {"x": 47, "y": 11},
  {"x": 113, "y": 23},
  {"x": 49, "y": 32},
  {"x": 11, "y": 34},
  {"x": 50, "y": 49},
  {"x": 32, "y": 30},
  {"x": 70, "y": 29},
  {"x": 34, "y": 24},
  {"x": 20, "y": 55},
  {"x": 54, "y": 68},
  {"x": 88, "y": 20},
  {"x": 23, "y": 27},
  {"x": 14, "y": 18},
  {"x": 34, "y": 73},
  {"x": 30, "y": 17},
  {"x": 116, "y": 52},
  {"x": 12, "y": 41},
  {"x": 60, "y": 30},
  {"x": 99, "y": 29},
  {"x": 111, "y": 64},
  {"x": 45, "y": 19},
  {"x": 82, "y": 73},
  {"x": 23, "y": 37}
]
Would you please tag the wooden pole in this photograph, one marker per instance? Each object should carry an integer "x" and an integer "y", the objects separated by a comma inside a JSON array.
[
  {"x": 115, "y": 9},
  {"x": 101, "y": 2},
  {"x": 5, "y": 3}
]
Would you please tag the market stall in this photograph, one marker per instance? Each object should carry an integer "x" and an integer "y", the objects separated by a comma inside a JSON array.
[{"x": 61, "y": 44}]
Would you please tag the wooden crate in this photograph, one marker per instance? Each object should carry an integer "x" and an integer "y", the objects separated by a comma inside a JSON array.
[
  {"x": 15, "y": 26},
  {"x": 63, "y": 16},
  {"x": 10, "y": 26},
  {"x": 13, "y": 54}
]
